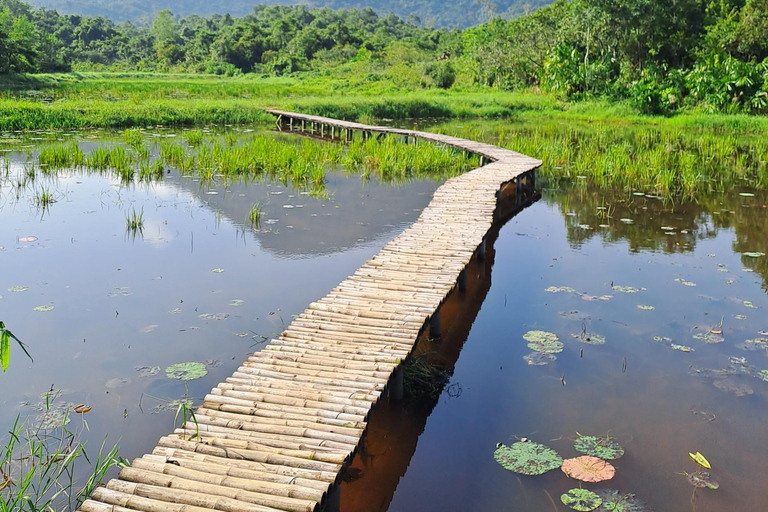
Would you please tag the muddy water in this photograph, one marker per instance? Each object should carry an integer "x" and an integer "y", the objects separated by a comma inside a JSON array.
[
  {"x": 686, "y": 261},
  {"x": 197, "y": 284}
]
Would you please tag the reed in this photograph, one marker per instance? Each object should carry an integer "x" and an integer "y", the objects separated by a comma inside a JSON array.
[
  {"x": 134, "y": 221},
  {"x": 254, "y": 216}
]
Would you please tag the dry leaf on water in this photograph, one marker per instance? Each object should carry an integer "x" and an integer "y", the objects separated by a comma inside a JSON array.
[{"x": 588, "y": 469}]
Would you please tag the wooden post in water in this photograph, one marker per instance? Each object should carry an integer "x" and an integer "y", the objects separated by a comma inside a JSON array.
[
  {"x": 481, "y": 251},
  {"x": 462, "y": 281},
  {"x": 396, "y": 385},
  {"x": 290, "y": 123}
]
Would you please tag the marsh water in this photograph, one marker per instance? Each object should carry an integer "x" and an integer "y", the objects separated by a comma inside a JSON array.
[{"x": 655, "y": 278}]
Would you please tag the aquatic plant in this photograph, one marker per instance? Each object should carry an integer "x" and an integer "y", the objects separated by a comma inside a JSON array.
[
  {"x": 5, "y": 346},
  {"x": 186, "y": 371},
  {"x": 134, "y": 221},
  {"x": 616, "y": 501},
  {"x": 581, "y": 500},
  {"x": 61, "y": 157},
  {"x": 588, "y": 469},
  {"x": 601, "y": 447},
  {"x": 133, "y": 138},
  {"x": 527, "y": 458},
  {"x": 254, "y": 216}
]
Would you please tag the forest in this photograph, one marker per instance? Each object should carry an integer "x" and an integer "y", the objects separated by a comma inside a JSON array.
[{"x": 658, "y": 56}]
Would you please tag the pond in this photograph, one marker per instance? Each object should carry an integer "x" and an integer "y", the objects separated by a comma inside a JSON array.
[
  {"x": 655, "y": 303},
  {"x": 104, "y": 309},
  {"x": 659, "y": 305}
]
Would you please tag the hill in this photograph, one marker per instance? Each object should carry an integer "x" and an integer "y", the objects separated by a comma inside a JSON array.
[{"x": 434, "y": 13}]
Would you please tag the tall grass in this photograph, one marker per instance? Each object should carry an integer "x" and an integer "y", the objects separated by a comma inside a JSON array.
[{"x": 39, "y": 462}]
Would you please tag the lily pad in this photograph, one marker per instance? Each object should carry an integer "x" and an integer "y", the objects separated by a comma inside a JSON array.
[
  {"x": 626, "y": 289},
  {"x": 527, "y": 458},
  {"x": 186, "y": 371},
  {"x": 749, "y": 304},
  {"x": 740, "y": 317},
  {"x": 18, "y": 289},
  {"x": 602, "y": 447},
  {"x": 663, "y": 339},
  {"x": 645, "y": 307},
  {"x": 236, "y": 302},
  {"x": 554, "y": 347},
  {"x": 588, "y": 469},
  {"x": 754, "y": 344},
  {"x": 575, "y": 316},
  {"x": 763, "y": 375},
  {"x": 173, "y": 405},
  {"x": 702, "y": 480},
  {"x": 590, "y": 339},
  {"x": 43, "y": 309},
  {"x": 217, "y": 270},
  {"x": 540, "y": 337},
  {"x": 615, "y": 501},
  {"x": 147, "y": 371},
  {"x": 581, "y": 499},
  {"x": 753, "y": 254},
  {"x": 709, "y": 338},
  {"x": 52, "y": 419},
  {"x": 560, "y": 289},
  {"x": 682, "y": 348},
  {"x": 539, "y": 358}
]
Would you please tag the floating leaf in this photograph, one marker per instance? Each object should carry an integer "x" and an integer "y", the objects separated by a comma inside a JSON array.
[
  {"x": 699, "y": 459},
  {"x": 539, "y": 358},
  {"x": 754, "y": 344},
  {"x": 547, "y": 348},
  {"x": 746, "y": 194},
  {"x": 602, "y": 447},
  {"x": 662, "y": 338},
  {"x": 590, "y": 339},
  {"x": 18, "y": 289},
  {"x": 763, "y": 375},
  {"x": 43, "y": 309},
  {"x": 186, "y": 371},
  {"x": 527, "y": 458},
  {"x": 173, "y": 405},
  {"x": 560, "y": 289},
  {"x": 753, "y": 254},
  {"x": 709, "y": 337},
  {"x": 53, "y": 419},
  {"x": 175, "y": 311},
  {"x": 702, "y": 480},
  {"x": 614, "y": 501},
  {"x": 147, "y": 371},
  {"x": 28, "y": 239},
  {"x": 543, "y": 341},
  {"x": 148, "y": 329},
  {"x": 217, "y": 270},
  {"x": 236, "y": 302},
  {"x": 645, "y": 307},
  {"x": 588, "y": 469},
  {"x": 681, "y": 348},
  {"x": 626, "y": 289},
  {"x": 749, "y": 304},
  {"x": 575, "y": 316},
  {"x": 212, "y": 363},
  {"x": 740, "y": 317},
  {"x": 581, "y": 499}
]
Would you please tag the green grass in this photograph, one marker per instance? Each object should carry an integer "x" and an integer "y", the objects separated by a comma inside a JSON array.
[{"x": 134, "y": 221}]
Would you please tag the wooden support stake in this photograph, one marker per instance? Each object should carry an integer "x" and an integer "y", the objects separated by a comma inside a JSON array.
[
  {"x": 481, "y": 251},
  {"x": 290, "y": 123},
  {"x": 463, "y": 281}
]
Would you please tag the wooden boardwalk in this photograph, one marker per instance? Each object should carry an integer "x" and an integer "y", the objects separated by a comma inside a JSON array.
[{"x": 276, "y": 435}]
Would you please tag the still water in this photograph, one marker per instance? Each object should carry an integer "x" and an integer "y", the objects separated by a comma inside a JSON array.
[
  {"x": 689, "y": 263},
  {"x": 101, "y": 308}
]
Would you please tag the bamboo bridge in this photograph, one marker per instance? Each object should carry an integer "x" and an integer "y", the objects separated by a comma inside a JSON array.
[{"x": 278, "y": 433}]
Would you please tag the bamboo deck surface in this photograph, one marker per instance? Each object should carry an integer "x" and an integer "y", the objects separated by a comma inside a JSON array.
[{"x": 276, "y": 435}]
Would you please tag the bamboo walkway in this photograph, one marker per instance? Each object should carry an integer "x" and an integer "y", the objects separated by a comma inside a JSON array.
[{"x": 276, "y": 435}]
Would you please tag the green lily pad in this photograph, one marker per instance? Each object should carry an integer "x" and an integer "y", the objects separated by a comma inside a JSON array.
[
  {"x": 663, "y": 339},
  {"x": 18, "y": 289},
  {"x": 539, "y": 358},
  {"x": 740, "y": 317},
  {"x": 702, "y": 480},
  {"x": 174, "y": 405},
  {"x": 601, "y": 447},
  {"x": 682, "y": 348},
  {"x": 753, "y": 254},
  {"x": 554, "y": 347},
  {"x": 627, "y": 289},
  {"x": 749, "y": 304},
  {"x": 217, "y": 270},
  {"x": 645, "y": 307},
  {"x": 709, "y": 338},
  {"x": 236, "y": 302},
  {"x": 754, "y": 344},
  {"x": 575, "y": 316},
  {"x": 763, "y": 375},
  {"x": 43, "y": 309},
  {"x": 527, "y": 458},
  {"x": 615, "y": 501},
  {"x": 560, "y": 289},
  {"x": 186, "y": 371},
  {"x": 581, "y": 499},
  {"x": 590, "y": 339},
  {"x": 540, "y": 337},
  {"x": 53, "y": 419}
]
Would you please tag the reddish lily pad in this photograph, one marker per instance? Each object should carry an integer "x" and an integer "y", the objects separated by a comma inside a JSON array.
[{"x": 588, "y": 469}]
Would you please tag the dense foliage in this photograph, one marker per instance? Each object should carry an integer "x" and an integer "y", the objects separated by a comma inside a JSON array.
[
  {"x": 457, "y": 13},
  {"x": 657, "y": 55}
]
